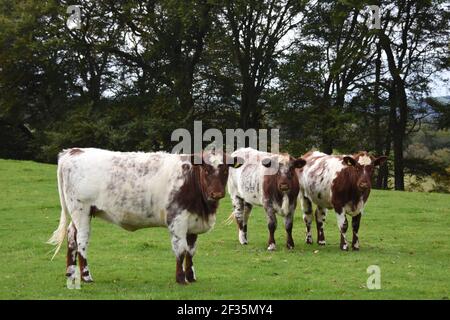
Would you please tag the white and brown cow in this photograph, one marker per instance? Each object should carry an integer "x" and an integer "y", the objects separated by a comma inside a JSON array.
[
  {"x": 267, "y": 180},
  {"x": 339, "y": 182},
  {"x": 138, "y": 190}
]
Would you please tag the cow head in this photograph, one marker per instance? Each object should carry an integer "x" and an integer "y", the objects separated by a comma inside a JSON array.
[
  {"x": 213, "y": 174},
  {"x": 362, "y": 166},
  {"x": 283, "y": 168}
]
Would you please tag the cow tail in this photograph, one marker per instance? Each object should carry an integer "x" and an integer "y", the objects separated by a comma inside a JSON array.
[
  {"x": 59, "y": 234},
  {"x": 230, "y": 219}
]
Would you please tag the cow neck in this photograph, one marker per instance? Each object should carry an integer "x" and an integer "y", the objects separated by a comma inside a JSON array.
[{"x": 197, "y": 202}]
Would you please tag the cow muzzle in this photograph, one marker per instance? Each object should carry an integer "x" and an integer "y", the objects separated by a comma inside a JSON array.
[
  {"x": 216, "y": 195},
  {"x": 363, "y": 186},
  {"x": 284, "y": 187}
]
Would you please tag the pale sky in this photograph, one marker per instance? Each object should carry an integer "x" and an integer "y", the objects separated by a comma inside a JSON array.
[{"x": 440, "y": 88}]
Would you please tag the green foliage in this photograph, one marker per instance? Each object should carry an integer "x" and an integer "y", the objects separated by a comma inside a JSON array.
[{"x": 428, "y": 156}]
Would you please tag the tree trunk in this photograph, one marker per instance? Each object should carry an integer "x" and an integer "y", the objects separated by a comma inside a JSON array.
[
  {"x": 327, "y": 120},
  {"x": 249, "y": 100},
  {"x": 398, "y": 162},
  {"x": 399, "y": 112}
]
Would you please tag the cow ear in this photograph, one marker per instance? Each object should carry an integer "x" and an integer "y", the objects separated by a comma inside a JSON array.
[
  {"x": 350, "y": 161},
  {"x": 235, "y": 162},
  {"x": 379, "y": 161},
  {"x": 299, "y": 163},
  {"x": 266, "y": 162}
]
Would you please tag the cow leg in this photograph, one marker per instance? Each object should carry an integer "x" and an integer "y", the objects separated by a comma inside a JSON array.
[
  {"x": 71, "y": 252},
  {"x": 82, "y": 220},
  {"x": 247, "y": 210},
  {"x": 178, "y": 230},
  {"x": 307, "y": 217},
  {"x": 320, "y": 219},
  {"x": 272, "y": 225},
  {"x": 239, "y": 215},
  {"x": 288, "y": 223},
  {"x": 189, "y": 265},
  {"x": 342, "y": 225},
  {"x": 355, "y": 226}
]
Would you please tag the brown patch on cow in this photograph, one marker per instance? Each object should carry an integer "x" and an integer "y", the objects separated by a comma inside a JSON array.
[
  {"x": 272, "y": 227},
  {"x": 84, "y": 271},
  {"x": 71, "y": 259},
  {"x": 75, "y": 151},
  {"x": 344, "y": 228},
  {"x": 191, "y": 196},
  {"x": 272, "y": 193},
  {"x": 189, "y": 272},
  {"x": 289, "y": 240},
  {"x": 180, "y": 275},
  {"x": 355, "y": 228},
  {"x": 200, "y": 192}
]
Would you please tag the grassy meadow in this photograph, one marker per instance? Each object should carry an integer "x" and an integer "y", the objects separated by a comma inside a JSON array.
[{"x": 406, "y": 234}]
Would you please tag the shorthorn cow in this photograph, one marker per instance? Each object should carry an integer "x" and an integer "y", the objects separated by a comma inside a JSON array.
[
  {"x": 267, "y": 180},
  {"x": 339, "y": 182},
  {"x": 138, "y": 190}
]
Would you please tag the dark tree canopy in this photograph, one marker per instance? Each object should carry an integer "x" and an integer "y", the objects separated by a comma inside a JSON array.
[{"x": 137, "y": 70}]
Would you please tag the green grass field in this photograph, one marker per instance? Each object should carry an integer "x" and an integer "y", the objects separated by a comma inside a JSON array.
[{"x": 405, "y": 234}]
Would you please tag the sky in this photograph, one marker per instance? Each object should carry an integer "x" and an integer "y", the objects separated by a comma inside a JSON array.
[{"x": 440, "y": 88}]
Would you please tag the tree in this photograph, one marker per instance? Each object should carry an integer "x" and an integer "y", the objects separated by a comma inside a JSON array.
[
  {"x": 256, "y": 29},
  {"x": 412, "y": 38},
  {"x": 166, "y": 42}
]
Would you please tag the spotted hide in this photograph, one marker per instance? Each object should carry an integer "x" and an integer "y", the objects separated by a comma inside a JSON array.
[
  {"x": 138, "y": 190},
  {"x": 266, "y": 180},
  {"x": 339, "y": 182}
]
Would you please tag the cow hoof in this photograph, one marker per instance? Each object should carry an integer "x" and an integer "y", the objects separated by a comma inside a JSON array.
[
  {"x": 344, "y": 247},
  {"x": 290, "y": 246},
  {"x": 87, "y": 279},
  {"x": 321, "y": 242},
  {"x": 271, "y": 247},
  {"x": 182, "y": 281},
  {"x": 309, "y": 240},
  {"x": 243, "y": 241},
  {"x": 243, "y": 237},
  {"x": 355, "y": 248},
  {"x": 190, "y": 275},
  {"x": 181, "y": 278}
]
